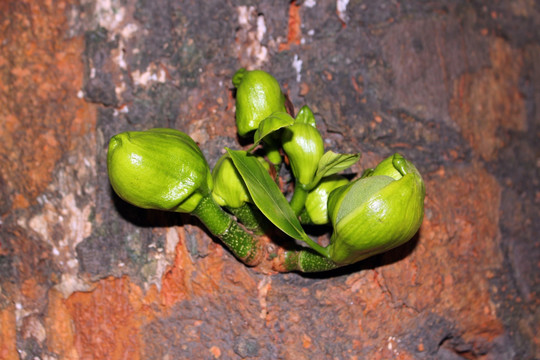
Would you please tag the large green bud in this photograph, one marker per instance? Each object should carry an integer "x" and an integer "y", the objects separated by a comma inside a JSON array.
[
  {"x": 158, "y": 169},
  {"x": 376, "y": 213},
  {"x": 304, "y": 147},
  {"x": 317, "y": 199},
  {"x": 229, "y": 187},
  {"x": 258, "y": 95}
]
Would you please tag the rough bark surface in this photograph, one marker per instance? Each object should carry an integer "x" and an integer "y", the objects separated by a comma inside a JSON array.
[{"x": 453, "y": 85}]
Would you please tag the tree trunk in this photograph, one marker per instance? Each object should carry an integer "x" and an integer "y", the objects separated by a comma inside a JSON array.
[{"x": 452, "y": 85}]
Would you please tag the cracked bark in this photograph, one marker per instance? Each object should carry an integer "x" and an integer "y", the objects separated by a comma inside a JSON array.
[{"x": 452, "y": 85}]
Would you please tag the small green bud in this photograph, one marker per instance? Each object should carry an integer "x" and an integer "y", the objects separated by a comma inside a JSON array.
[
  {"x": 317, "y": 199},
  {"x": 387, "y": 167},
  {"x": 160, "y": 169},
  {"x": 258, "y": 95},
  {"x": 229, "y": 187},
  {"x": 305, "y": 115},
  {"x": 376, "y": 213},
  {"x": 304, "y": 146}
]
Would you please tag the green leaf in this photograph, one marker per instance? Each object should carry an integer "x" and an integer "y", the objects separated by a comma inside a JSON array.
[
  {"x": 269, "y": 199},
  {"x": 332, "y": 163},
  {"x": 274, "y": 122}
]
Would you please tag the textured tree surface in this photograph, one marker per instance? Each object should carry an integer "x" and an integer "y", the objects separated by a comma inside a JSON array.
[{"x": 452, "y": 85}]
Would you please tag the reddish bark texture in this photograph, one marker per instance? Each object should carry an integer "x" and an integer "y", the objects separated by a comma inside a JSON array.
[{"x": 452, "y": 85}]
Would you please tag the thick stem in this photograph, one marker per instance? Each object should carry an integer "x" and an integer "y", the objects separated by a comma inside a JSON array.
[
  {"x": 250, "y": 249},
  {"x": 250, "y": 217},
  {"x": 243, "y": 245},
  {"x": 305, "y": 260},
  {"x": 304, "y": 217},
  {"x": 298, "y": 200}
]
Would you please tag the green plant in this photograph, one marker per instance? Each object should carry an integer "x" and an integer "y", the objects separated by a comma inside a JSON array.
[{"x": 241, "y": 204}]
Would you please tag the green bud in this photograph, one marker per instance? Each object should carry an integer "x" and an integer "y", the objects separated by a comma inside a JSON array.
[
  {"x": 158, "y": 169},
  {"x": 305, "y": 115},
  {"x": 229, "y": 187},
  {"x": 387, "y": 167},
  {"x": 258, "y": 95},
  {"x": 376, "y": 213},
  {"x": 317, "y": 199},
  {"x": 304, "y": 146}
]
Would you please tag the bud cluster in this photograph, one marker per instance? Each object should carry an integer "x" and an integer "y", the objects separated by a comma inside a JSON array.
[{"x": 165, "y": 169}]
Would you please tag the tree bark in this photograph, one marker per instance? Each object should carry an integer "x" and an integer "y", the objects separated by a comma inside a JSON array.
[{"x": 452, "y": 85}]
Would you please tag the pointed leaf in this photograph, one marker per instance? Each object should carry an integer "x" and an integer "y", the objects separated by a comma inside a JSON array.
[
  {"x": 332, "y": 163},
  {"x": 274, "y": 122},
  {"x": 269, "y": 199}
]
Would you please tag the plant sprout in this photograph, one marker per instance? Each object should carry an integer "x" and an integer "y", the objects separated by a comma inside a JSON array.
[{"x": 241, "y": 204}]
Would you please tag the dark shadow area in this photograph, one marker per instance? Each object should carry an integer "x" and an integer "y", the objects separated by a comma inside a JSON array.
[
  {"x": 146, "y": 218},
  {"x": 244, "y": 141},
  {"x": 150, "y": 218}
]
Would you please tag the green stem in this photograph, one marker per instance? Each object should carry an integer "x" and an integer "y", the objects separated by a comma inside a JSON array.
[
  {"x": 307, "y": 261},
  {"x": 315, "y": 246},
  {"x": 298, "y": 199},
  {"x": 250, "y": 217},
  {"x": 243, "y": 245},
  {"x": 304, "y": 217},
  {"x": 249, "y": 249}
]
